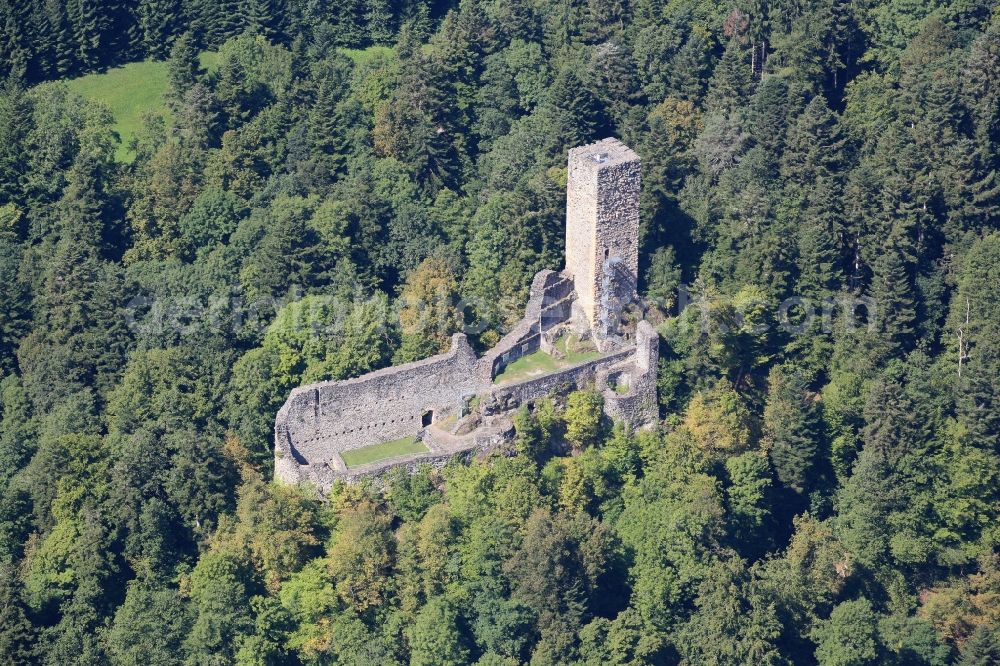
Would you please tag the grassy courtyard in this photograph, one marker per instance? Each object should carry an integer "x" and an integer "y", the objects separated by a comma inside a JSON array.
[
  {"x": 539, "y": 363},
  {"x": 377, "y": 452},
  {"x": 131, "y": 91}
]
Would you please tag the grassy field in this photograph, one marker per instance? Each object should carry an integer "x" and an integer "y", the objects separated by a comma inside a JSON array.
[
  {"x": 135, "y": 89},
  {"x": 539, "y": 363},
  {"x": 383, "y": 451},
  {"x": 131, "y": 91}
]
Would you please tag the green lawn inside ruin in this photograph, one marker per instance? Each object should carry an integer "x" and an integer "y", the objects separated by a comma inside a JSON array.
[
  {"x": 539, "y": 363},
  {"x": 378, "y": 452}
]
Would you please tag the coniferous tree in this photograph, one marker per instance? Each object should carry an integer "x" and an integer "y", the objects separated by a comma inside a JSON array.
[
  {"x": 59, "y": 40},
  {"x": 901, "y": 460},
  {"x": 811, "y": 167},
  {"x": 266, "y": 17},
  {"x": 975, "y": 307},
  {"x": 346, "y": 25},
  {"x": 690, "y": 68},
  {"x": 90, "y": 26},
  {"x": 981, "y": 87},
  {"x": 615, "y": 81},
  {"x": 160, "y": 20},
  {"x": 891, "y": 292},
  {"x": 663, "y": 278},
  {"x": 973, "y": 482},
  {"x": 379, "y": 22},
  {"x": 732, "y": 80},
  {"x": 815, "y": 145},
  {"x": 819, "y": 287},
  {"x": 791, "y": 427},
  {"x": 17, "y": 633},
  {"x": 240, "y": 96},
  {"x": 199, "y": 118},
  {"x": 14, "y": 301},
  {"x": 576, "y": 114},
  {"x": 326, "y": 129},
  {"x": 183, "y": 68},
  {"x": 819, "y": 258},
  {"x": 417, "y": 18},
  {"x": 122, "y": 37},
  {"x": 982, "y": 648},
  {"x": 668, "y": 160},
  {"x": 768, "y": 115},
  {"x": 33, "y": 27},
  {"x": 981, "y": 95},
  {"x": 974, "y": 320},
  {"x": 15, "y": 119},
  {"x": 79, "y": 329},
  {"x": 14, "y": 51},
  {"x": 215, "y": 21},
  {"x": 464, "y": 39},
  {"x": 83, "y": 210}
]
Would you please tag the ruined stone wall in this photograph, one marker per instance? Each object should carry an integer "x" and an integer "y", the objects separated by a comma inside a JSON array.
[
  {"x": 323, "y": 477},
  {"x": 321, "y": 419},
  {"x": 509, "y": 397},
  {"x": 549, "y": 304},
  {"x": 307, "y": 434},
  {"x": 380, "y": 471},
  {"x": 602, "y": 222},
  {"x": 638, "y": 406}
]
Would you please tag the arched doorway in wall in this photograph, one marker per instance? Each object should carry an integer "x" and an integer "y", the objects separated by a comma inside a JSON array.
[{"x": 427, "y": 418}]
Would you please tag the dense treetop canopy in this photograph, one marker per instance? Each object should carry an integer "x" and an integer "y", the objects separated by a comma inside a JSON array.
[{"x": 352, "y": 179}]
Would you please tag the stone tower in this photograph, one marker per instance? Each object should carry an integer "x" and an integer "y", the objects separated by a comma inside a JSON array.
[{"x": 602, "y": 231}]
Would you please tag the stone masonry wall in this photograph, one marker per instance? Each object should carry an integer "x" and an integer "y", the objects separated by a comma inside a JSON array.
[
  {"x": 581, "y": 218},
  {"x": 302, "y": 452},
  {"x": 549, "y": 304},
  {"x": 320, "y": 419},
  {"x": 638, "y": 406},
  {"x": 511, "y": 396}
]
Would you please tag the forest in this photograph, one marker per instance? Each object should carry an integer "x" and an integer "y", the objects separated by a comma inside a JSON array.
[{"x": 351, "y": 182}]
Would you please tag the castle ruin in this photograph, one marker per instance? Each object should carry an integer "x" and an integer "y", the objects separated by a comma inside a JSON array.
[{"x": 455, "y": 403}]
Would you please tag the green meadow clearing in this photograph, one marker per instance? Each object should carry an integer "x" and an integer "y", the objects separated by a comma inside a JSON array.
[{"x": 131, "y": 91}]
